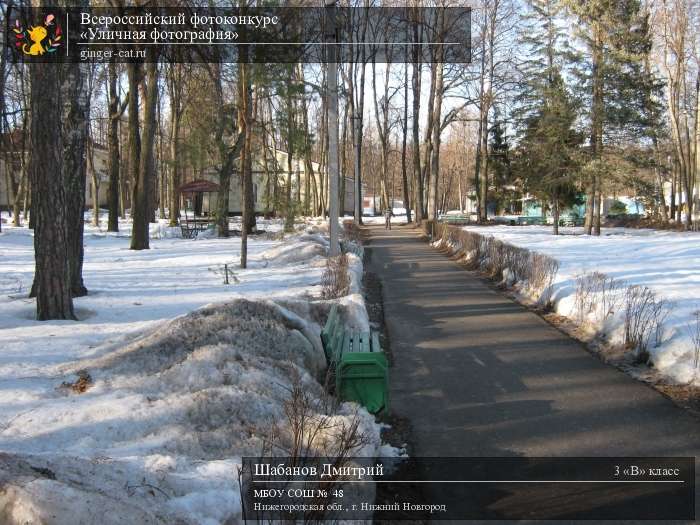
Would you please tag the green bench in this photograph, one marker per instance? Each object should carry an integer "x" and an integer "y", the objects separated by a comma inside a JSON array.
[
  {"x": 360, "y": 367},
  {"x": 531, "y": 221},
  {"x": 454, "y": 219},
  {"x": 570, "y": 220}
]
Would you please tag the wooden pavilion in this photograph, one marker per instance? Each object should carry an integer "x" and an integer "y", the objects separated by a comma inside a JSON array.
[{"x": 196, "y": 201}]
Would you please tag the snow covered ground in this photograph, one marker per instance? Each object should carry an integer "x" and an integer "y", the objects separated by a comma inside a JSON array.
[
  {"x": 130, "y": 290},
  {"x": 176, "y": 398},
  {"x": 399, "y": 217},
  {"x": 666, "y": 262}
]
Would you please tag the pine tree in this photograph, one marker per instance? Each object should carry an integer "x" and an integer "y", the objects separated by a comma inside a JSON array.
[
  {"x": 499, "y": 162},
  {"x": 52, "y": 277},
  {"x": 545, "y": 113},
  {"x": 548, "y": 54},
  {"x": 548, "y": 150},
  {"x": 617, "y": 38}
]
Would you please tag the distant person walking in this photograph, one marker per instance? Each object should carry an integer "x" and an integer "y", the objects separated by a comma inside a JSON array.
[{"x": 387, "y": 218}]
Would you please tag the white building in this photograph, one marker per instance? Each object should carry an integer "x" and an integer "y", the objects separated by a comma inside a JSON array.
[
  {"x": 11, "y": 168},
  {"x": 260, "y": 178}
]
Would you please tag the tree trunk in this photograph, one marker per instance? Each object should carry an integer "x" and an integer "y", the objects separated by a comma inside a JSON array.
[
  {"x": 76, "y": 115},
  {"x": 247, "y": 167},
  {"x": 52, "y": 279},
  {"x": 689, "y": 179},
  {"x": 174, "y": 207},
  {"x": 290, "y": 107},
  {"x": 225, "y": 173},
  {"x": 595, "y": 193},
  {"x": 323, "y": 171},
  {"x": 308, "y": 165},
  {"x": 247, "y": 173},
  {"x": 226, "y": 156},
  {"x": 244, "y": 121},
  {"x": 404, "y": 141},
  {"x": 19, "y": 198},
  {"x": 426, "y": 165},
  {"x": 95, "y": 184},
  {"x": 159, "y": 167},
  {"x": 382, "y": 121},
  {"x": 484, "y": 166},
  {"x": 661, "y": 198},
  {"x": 343, "y": 161},
  {"x": 674, "y": 172},
  {"x": 679, "y": 205},
  {"x": 151, "y": 177},
  {"x": 359, "y": 120},
  {"x": 139, "y": 191},
  {"x": 352, "y": 111},
  {"x": 435, "y": 157},
  {"x": 415, "y": 130}
]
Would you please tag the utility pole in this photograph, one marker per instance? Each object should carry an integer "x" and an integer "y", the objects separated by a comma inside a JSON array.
[{"x": 334, "y": 208}]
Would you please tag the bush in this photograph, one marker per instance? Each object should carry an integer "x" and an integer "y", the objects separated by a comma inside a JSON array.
[
  {"x": 617, "y": 208},
  {"x": 543, "y": 270},
  {"x": 644, "y": 313},
  {"x": 596, "y": 292},
  {"x": 352, "y": 231},
  {"x": 312, "y": 432},
  {"x": 694, "y": 330},
  {"x": 644, "y": 317},
  {"x": 494, "y": 257},
  {"x": 335, "y": 280}
]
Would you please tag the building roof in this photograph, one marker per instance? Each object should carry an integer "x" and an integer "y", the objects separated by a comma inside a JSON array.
[{"x": 198, "y": 186}]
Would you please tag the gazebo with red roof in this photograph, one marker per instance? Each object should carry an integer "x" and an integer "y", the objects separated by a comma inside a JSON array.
[{"x": 194, "y": 192}]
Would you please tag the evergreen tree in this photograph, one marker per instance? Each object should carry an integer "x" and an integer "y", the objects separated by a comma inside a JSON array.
[
  {"x": 500, "y": 166},
  {"x": 548, "y": 150},
  {"x": 545, "y": 114},
  {"x": 616, "y": 37},
  {"x": 547, "y": 55}
]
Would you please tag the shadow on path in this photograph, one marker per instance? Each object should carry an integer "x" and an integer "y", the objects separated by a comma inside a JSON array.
[{"x": 477, "y": 374}]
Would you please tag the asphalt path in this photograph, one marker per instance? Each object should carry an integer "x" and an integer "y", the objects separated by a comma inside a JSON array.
[{"x": 477, "y": 374}]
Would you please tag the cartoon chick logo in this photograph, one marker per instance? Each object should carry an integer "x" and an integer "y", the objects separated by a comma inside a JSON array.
[{"x": 40, "y": 39}]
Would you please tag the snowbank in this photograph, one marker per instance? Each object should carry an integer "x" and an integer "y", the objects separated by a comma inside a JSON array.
[
  {"x": 666, "y": 262},
  {"x": 296, "y": 249},
  {"x": 172, "y": 402},
  {"x": 169, "y": 415}
]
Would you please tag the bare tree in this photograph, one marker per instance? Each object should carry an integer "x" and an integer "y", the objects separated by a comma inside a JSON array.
[
  {"x": 384, "y": 126},
  {"x": 115, "y": 110},
  {"x": 175, "y": 75},
  {"x": 438, "y": 93},
  {"x": 404, "y": 140},
  {"x": 674, "y": 31},
  {"x": 418, "y": 202}
]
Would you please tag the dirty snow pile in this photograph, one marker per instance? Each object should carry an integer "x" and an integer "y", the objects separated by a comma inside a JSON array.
[
  {"x": 136, "y": 415},
  {"x": 312, "y": 247},
  {"x": 668, "y": 263},
  {"x": 305, "y": 247},
  {"x": 159, "y": 435}
]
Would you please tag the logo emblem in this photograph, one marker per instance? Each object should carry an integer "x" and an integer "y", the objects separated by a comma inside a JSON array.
[{"x": 40, "y": 39}]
